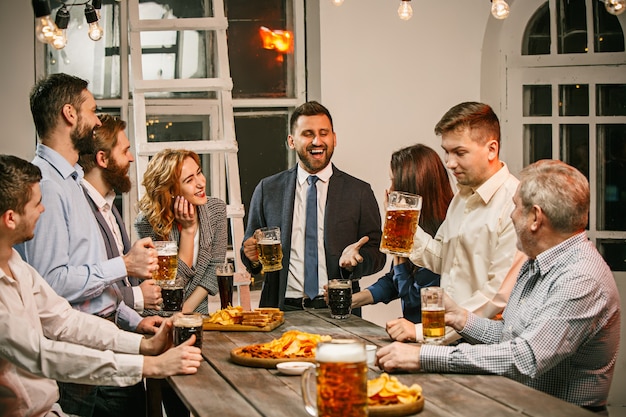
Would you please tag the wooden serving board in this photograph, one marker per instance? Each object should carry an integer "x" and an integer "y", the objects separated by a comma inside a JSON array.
[
  {"x": 240, "y": 327},
  {"x": 238, "y": 358},
  {"x": 397, "y": 410}
]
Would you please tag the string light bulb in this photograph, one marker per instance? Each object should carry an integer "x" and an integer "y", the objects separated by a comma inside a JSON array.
[
  {"x": 615, "y": 7},
  {"x": 405, "y": 11},
  {"x": 500, "y": 9},
  {"x": 337, "y": 2},
  {"x": 61, "y": 20},
  {"x": 44, "y": 26},
  {"x": 95, "y": 31}
]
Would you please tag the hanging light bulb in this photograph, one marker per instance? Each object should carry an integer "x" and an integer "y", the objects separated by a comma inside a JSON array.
[
  {"x": 405, "y": 11},
  {"x": 337, "y": 2},
  {"x": 95, "y": 31},
  {"x": 499, "y": 9},
  {"x": 615, "y": 7},
  {"x": 62, "y": 20},
  {"x": 44, "y": 26}
]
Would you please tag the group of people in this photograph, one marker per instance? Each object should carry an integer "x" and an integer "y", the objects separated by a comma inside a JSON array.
[{"x": 527, "y": 295}]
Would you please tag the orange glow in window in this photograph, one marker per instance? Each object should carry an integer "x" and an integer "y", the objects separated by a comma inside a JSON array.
[{"x": 278, "y": 40}]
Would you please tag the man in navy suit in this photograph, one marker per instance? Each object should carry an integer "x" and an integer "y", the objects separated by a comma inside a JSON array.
[{"x": 348, "y": 218}]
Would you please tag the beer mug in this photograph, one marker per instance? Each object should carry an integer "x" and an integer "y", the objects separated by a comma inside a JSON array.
[
  {"x": 224, "y": 273},
  {"x": 269, "y": 248},
  {"x": 173, "y": 296},
  {"x": 340, "y": 298},
  {"x": 341, "y": 377},
  {"x": 433, "y": 315},
  {"x": 185, "y": 325},
  {"x": 403, "y": 212},
  {"x": 167, "y": 252}
]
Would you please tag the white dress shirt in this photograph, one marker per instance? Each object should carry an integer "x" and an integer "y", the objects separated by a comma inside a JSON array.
[
  {"x": 43, "y": 339},
  {"x": 474, "y": 247},
  {"x": 295, "y": 276}
]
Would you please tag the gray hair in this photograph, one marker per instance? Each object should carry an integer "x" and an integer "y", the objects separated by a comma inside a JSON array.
[{"x": 560, "y": 190}]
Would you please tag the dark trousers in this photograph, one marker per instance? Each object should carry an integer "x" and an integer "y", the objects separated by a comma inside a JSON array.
[{"x": 100, "y": 401}]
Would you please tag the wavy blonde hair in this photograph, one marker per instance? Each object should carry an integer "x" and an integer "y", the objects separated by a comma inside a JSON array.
[{"x": 161, "y": 181}]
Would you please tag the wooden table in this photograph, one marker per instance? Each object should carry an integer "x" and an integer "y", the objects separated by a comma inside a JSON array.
[{"x": 222, "y": 388}]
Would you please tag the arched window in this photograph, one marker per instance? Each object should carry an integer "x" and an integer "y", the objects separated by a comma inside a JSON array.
[{"x": 566, "y": 98}]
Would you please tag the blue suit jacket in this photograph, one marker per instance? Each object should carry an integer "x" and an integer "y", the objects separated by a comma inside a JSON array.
[{"x": 351, "y": 213}]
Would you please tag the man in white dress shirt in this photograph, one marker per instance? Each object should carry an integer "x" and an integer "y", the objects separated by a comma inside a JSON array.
[
  {"x": 474, "y": 247},
  {"x": 43, "y": 338}
]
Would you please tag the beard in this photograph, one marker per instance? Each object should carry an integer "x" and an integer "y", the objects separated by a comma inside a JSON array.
[
  {"x": 312, "y": 165},
  {"x": 82, "y": 138},
  {"x": 117, "y": 176}
]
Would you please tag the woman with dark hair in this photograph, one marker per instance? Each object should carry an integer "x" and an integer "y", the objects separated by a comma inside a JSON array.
[{"x": 416, "y": 169}]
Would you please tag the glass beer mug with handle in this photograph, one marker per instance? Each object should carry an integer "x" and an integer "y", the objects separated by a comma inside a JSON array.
[
  {"x": 167, "y": 253},
  {"x": 401, "y": 218},
  {"x": 341, "y": 379},
  {"x": 269, "y": 248}
]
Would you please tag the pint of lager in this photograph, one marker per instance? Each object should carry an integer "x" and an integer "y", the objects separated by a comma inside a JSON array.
[
  {"x": 185, "y": 325},
  {"x": 403, "y": 212},
  {"x": 341, "y": 375},
  {"x": 269, "y": 248},
  {"x": 433, "y": 314},
  {"x": 167, "y": 252}
]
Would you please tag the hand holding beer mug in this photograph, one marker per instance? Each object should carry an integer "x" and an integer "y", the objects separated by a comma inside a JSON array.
[
  {"x": 403, "y": 212},
  {"x": 224, "y": 273},
  {"x": 340, "y": 298},
  {"x": 341, "y": 373},
  {"x": 185, "y": 325},
  {"x": 167, "y": 252},
  {"x": 433, "y": 315},
  {"x": 269, "y": 248}
]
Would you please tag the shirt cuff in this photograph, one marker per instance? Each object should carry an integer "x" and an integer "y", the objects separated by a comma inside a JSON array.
[
  {"x": 138, "y": 297},
  {"x": 435, "y": 358}
]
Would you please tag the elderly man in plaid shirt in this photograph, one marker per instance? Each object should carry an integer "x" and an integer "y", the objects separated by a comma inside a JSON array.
[{"x": 560, "y": 330}]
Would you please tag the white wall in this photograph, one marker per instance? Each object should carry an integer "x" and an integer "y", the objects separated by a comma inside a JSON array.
[
  {"x": 387, "y": 82},
  {"x": 17, "y": 76}
]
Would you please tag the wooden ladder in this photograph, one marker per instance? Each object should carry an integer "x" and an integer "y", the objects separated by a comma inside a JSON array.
[{"x": 221, "y": 143}]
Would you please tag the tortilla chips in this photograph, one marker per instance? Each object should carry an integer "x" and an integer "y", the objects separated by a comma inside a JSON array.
[
  {"x": 292, "y": 344},
  {"x": 226, "y": 316},
  {"x": 386, "y": 390}
]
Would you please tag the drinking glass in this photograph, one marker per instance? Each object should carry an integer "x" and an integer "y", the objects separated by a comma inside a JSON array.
[
  {"x": 340, "y": 298},
  {"x": 167, "y": 252},
  {"x": 433, "y": 314},
  {"x": 269, "y": 248},
  {"x": 224, "y": 273},
  {"x": 341, "y": 379},
  {"x": 185, "y": 325},
  {"x": 402, "y": 216}
]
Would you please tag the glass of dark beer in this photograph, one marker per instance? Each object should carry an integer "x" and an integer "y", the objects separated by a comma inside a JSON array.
[
  {"x": 340, "y": 298},
  {"x": 185, "y": 325},
  {"x": 269, "y": 248},
  {"x": 173, "y": 295},
  {"x": 341, "y": 377},
  {"x": 402, "y": 216},
  {"x": 224, "y": 273}
]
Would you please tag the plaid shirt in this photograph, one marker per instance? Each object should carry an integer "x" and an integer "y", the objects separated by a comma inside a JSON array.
[{"x": 560, "y": 330}]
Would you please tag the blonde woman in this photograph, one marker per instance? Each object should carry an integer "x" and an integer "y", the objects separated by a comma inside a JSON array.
[{"x": 176, "y": 207}]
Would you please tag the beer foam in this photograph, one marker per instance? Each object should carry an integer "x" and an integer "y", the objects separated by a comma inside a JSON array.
[
  {"x": 341, "y": 351},
  {"x": 268, "y": 242}
]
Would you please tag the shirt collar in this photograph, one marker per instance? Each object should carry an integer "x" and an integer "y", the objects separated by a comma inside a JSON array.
[
  {"x": 489, "y": 188},
  {"x": 324, "y": 175},
  {"x": 547, "y": 258},
  {"x": 101, "y": 202},
  {"x": 59, "y": 163}
]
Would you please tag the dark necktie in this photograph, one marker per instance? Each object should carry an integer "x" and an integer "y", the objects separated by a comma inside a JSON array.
[{"x": 310, "y": 240}]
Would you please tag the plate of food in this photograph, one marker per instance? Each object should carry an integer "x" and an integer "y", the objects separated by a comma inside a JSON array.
[
  {"x": 292, "y": 346},
  {"x": 294, "y": 368},
  {"x": 388, "y": 397},
  {"x": 235, "y": 319}
]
